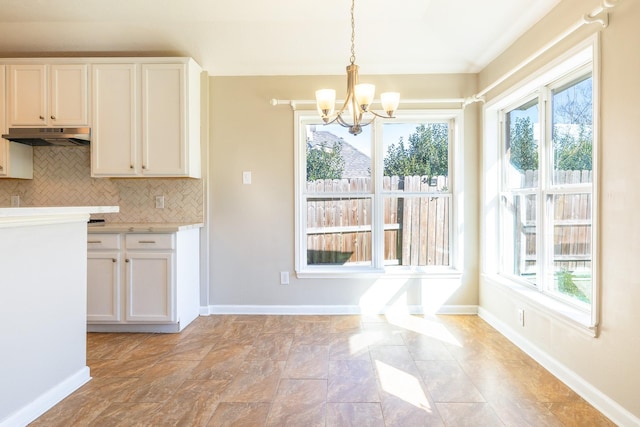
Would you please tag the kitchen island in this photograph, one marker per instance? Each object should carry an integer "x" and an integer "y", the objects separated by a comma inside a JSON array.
[{"x": 43, "y": 271}]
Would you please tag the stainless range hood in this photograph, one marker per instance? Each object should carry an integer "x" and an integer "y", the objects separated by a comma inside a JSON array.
[{"x": 50, "y": 136}]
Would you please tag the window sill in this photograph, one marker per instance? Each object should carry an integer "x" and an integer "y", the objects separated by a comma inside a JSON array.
[
  {"x": 552, "y": 307},
  {"x": 389, "y": 272}
]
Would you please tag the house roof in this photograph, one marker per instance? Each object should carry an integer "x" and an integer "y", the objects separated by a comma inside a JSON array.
[{"x": 356, "y": 163}]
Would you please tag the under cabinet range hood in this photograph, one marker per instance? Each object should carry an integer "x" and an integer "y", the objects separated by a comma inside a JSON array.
[{"x": 71, "y": 137}]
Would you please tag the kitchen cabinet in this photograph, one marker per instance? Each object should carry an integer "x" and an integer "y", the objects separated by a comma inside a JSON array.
[
  {"x": 150, "y": 282},
  {"x": 114, "y": 145},
  {"x": 104, "y": 278},
  {"x": 48, "y": 95},
  {"x": 146, "y": 119},
  {"x": 142, "y": 282},
  {"x": 16, "y": 160}
]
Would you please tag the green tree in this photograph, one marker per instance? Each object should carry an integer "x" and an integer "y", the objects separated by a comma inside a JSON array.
[
  {"x": 427, "y": 153},
  {"x": 324, "y": 162},
  {"x": 573, "y": 152},
  {"x": 573, "y": 126},
  {"x": 524, "y": 150}
]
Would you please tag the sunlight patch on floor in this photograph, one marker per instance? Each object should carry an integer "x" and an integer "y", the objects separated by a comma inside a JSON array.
[
  {"x": 424, "y": 326},
  {"x": 402, "y": 385}
]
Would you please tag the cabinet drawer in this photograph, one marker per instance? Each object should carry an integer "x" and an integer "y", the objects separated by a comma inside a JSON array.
[
  {"x": 149, "y": 241},
  {"x": 103, "y": 241}
]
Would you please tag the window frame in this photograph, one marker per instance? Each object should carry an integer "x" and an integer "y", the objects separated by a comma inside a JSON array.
[
  {"x": 564, "y": 69},
  {"x": 455, "y": 117}
]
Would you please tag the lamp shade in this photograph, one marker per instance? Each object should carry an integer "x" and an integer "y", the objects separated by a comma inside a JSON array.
[
  {"x": 326, "y": 100},
  {"x": 364, "y": 93},
  {"x": 390, "y": 101}
]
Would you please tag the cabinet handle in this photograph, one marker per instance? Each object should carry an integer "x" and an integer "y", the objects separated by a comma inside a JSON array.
[
  {"x": 130, "y": 166},
  {"x": 53, "y": 117},
  {"x": 41, "y": 117},
  {"x": 146, "y": 241},
  {"x": 94, "y": 241},
  {"x": 144, "y": 167},
  {"x": 1, "y": 167},
  {"x": 113, "y": 260},
  {"x": 126, "y": 260}
]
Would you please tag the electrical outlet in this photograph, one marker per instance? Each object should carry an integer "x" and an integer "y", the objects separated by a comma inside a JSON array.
[
  {"x": 521, "y": 316},
  {"x": 284, "y": 277},
  {"x": 15, "y": 201},
  {"x": 159, "y": 202}
]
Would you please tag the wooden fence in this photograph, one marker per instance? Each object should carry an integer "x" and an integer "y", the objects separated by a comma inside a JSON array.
[
  {"x": 416, "y": 228},
  {"x": 571, "y": 225}
]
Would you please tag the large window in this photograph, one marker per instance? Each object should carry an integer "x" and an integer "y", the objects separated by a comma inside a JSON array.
[
  {"x": 381, "y": 201},
  {"x": 546, "y": 191}
]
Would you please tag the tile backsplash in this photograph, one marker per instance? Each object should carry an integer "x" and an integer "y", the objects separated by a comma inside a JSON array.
[{"x": 62, "y": 177}]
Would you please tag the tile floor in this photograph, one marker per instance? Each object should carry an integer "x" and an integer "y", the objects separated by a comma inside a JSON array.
[{"x": 319, "y": 371}]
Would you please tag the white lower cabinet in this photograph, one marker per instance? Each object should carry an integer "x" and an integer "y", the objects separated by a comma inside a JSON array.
[{"x": 142, "y": 282}]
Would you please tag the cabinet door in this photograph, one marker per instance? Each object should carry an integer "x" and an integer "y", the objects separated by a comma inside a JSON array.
[
  {"x": 150, "y": 287},
  {"x": 114, "y": 140},
  {"x": 164, "y": 148},
  {"x": 103, "y": 287},
  {"x": 27, "y": 95},
  {"x": 16, "y": 160},
  {"x": 68, "y": 101}
]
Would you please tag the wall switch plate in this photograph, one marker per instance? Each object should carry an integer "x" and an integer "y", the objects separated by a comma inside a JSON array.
[
  {"x": 246, "y": 177},
  {"x": 159, "y": 202},
  {"x": 15, "y": 201},
  {"x": 284, "y": 277}
]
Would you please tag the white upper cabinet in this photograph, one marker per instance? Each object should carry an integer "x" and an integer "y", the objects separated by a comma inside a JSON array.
[
  {"x": 16, "y": 160},
  {"x": 114, "y": 132},
  {"x": 146, "y": 120},
  {"x": 48, "y": 95},
  {"x": 68, "y": 95}
]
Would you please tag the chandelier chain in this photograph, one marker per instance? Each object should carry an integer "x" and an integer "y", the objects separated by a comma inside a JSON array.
[
  {"x": 353, "y": 33},
  {"x": 359, "y": 96}
]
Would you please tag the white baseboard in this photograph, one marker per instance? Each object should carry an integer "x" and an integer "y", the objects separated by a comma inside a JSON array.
[
  {"x": 325, "y": 309},
  {"x": 586, "y": 390},
  {"x": 47, "y": 400}
]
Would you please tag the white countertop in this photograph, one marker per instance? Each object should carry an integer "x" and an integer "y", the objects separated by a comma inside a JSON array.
[
  {"x": 150, "y": 227},
  {"x": 29, "y": 216},
  {"x": 57, "y": 210}
]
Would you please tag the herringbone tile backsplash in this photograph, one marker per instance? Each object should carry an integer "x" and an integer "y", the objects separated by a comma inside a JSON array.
[{"x": 62, "y": 177}]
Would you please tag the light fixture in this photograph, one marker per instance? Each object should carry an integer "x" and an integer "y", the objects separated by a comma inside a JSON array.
[{"x": 359, "y": 96}]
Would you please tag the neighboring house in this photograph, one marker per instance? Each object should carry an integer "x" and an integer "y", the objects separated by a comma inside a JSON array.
[{"x": 356, "y": 163}]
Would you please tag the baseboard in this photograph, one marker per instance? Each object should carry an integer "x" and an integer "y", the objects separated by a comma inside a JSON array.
[
  {"x": 47, "y": 400},
  {"x": 326, "y": 309},
  {"x": 586, "y": 390},
  {"x": 149, "y": 328}
]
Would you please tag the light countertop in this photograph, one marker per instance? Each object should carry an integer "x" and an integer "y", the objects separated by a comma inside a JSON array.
[
  {"x": 29, "y": 216},
  {"x": 57, "y": 210},
  {"x": 152, "y": 227}
]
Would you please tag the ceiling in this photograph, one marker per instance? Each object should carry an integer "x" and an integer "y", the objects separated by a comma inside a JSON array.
[{"x": 275, "y": 37}]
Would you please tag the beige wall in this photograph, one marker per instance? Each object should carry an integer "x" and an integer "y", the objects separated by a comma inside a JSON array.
[
  {"x": 609, "y": 363},
  {"x": 252, "y": 226}
]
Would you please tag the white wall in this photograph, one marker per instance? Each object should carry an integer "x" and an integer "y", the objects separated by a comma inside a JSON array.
[
  {"x": 606, "y": 367},
  {"x": 42, "y": 317},
  {"x": 252, "y": 226}
]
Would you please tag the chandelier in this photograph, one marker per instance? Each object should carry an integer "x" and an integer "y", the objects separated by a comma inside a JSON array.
[{"x": 359, "y": 97}]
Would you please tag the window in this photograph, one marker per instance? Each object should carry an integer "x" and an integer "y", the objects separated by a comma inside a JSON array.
[
  {"x": 378, "y": 202},
  {"x": 546, "y": 189}
]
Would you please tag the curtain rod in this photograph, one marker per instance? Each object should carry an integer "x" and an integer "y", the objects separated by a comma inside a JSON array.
[
  {"x": 599, "y": 15},
  {"x": 295, "y": 103}
]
